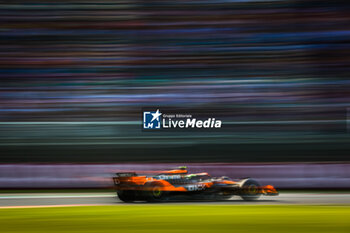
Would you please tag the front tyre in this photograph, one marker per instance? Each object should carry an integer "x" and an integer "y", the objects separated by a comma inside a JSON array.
[{"x": 250, "y": 190}]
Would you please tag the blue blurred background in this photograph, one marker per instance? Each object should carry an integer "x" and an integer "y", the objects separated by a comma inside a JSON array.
[{"x": 75, "y": 76}]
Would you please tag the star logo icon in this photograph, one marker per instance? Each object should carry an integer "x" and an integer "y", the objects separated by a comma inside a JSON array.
[
  {"x": 156, "y": 115},
  {"x": 151, "y": 119}
]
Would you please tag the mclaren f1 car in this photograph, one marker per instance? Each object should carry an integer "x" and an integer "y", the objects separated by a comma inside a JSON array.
[{"x": 155, "y": 186}]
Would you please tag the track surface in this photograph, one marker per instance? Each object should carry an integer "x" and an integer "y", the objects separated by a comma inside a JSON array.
[{"x": 67, "y": 199}]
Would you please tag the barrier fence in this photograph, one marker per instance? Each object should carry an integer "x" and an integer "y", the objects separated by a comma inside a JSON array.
[{"x": 282, "y": 175}]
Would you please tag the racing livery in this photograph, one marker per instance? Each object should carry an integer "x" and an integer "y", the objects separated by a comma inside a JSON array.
[{"x": 154, "y": 186}]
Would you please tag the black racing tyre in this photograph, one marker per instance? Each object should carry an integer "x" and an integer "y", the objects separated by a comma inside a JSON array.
[
  {"x": 250, "y": 190},
  {"x": 154, "y": 192},
  {"x": 126, "y": 195}
]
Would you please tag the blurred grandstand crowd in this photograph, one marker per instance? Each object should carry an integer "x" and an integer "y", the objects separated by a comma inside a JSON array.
[{"x": 75, "y": 76}]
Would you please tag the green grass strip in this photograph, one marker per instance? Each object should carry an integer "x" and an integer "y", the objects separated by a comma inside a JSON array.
[{"x": 177, "y": 218}]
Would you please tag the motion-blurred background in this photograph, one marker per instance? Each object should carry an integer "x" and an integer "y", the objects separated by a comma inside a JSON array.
[{"x": 75, "y": 76}]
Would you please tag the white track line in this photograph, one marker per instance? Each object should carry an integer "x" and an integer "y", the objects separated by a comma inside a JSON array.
[
  {"x": 55, "y": 196},
  {"x": 47, "y": 206}
]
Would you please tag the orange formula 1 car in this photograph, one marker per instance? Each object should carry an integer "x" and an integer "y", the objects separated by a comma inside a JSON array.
[{"x": 174, "y": 184}]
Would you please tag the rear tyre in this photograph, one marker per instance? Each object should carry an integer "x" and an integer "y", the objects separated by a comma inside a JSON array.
[
  {"x": 155, "y": 192},
  {"x": 250, "y": 190},
  {"x": 126, "y": 195}
]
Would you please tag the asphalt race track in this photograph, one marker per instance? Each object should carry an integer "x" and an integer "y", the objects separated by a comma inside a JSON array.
[{"x": 72, "y": 199}]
